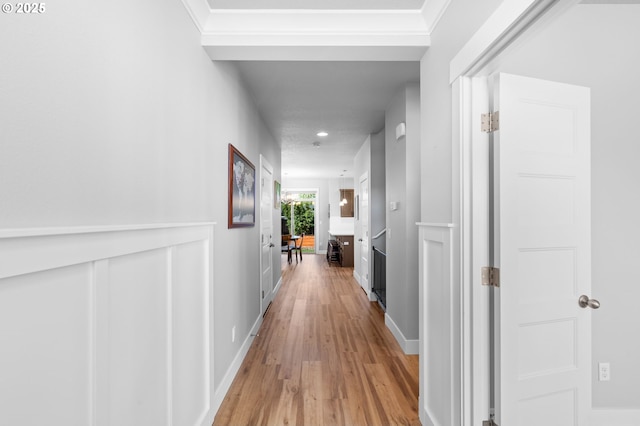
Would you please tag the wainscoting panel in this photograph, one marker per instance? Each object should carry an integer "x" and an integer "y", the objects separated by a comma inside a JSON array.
[
  {"x": 439, "y": 313},
  {"x": 45, "y": 350},
  {"x": 106, "y": 326}
]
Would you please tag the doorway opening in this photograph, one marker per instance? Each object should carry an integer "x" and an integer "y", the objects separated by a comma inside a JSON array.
[{"x": 298, "y": 210}]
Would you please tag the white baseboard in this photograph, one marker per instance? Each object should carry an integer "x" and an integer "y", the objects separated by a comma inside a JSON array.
[
  {"x": 356, "y": 275},
  {"x": 322, "y": 252},
  {"x": 410, "y": 347},
  {"x": 222, "y": 390},
  {"x": 277, "y": 287},
  {"x": 615, "y": 417}
]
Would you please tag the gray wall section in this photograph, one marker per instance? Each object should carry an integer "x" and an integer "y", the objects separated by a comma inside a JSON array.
[
  {"x": 377, "y": 196},
  {"x": 104, "y": 127},
  {"x": 403, "y": 187},
  {"x": 571, "y": 51},
  {"x": 460, "y": 21}
]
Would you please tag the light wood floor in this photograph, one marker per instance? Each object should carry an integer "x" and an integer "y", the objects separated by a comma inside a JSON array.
[{"x": 323, "y": 357}]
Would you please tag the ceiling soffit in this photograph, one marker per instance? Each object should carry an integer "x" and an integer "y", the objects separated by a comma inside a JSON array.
[{"x": 306, "y": 34}]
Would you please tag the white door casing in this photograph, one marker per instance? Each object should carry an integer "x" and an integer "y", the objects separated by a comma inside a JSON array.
[
  {"x": 543, "y": 248},
  {"x": 363, "y": 211},
  {"x": 266, "y": 233}
]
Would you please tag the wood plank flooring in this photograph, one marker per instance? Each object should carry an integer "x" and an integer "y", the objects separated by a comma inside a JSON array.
[{"x": 323, "y": 357}]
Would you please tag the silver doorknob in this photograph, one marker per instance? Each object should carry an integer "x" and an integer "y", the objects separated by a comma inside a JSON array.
[
  {"x": 271, "y": 245},
  {"x": 584, "y": 301},
  {"x": 359, "y": 239}
]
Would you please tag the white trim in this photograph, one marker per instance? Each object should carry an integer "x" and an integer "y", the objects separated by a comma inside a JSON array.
[
  {"x": 409, "y": 346},
  {"x": 199, "y": 11},
  {"x": 276, "y": 12},
  {"x": 37, "y": 232},
  {"x": 28, "y": 255},
  {"x": 266, "y": 165},
  {"x": 502, "y": 28},
  {"x": 615, "y": 417},
  {"x": 356, "y": 275},
  {"x": 432, "y": 11},
  {"x": 227, "y": 380},
  {"x": 435, "y": 225},
  {"x": 52, "y": 248},
  {"x": 277, "y": 286},
  {"x": 437, "y": 266}
]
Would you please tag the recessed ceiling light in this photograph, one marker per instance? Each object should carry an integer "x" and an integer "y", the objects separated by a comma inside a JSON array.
[{"x": 322, "y": 134}]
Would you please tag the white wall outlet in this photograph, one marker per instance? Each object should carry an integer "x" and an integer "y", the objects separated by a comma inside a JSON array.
[
  {"x": 233, "y": 334},
  {"x": 604, "y": 372}
]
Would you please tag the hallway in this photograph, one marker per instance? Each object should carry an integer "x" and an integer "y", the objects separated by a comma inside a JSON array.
[{"x": 323, "y": 357}]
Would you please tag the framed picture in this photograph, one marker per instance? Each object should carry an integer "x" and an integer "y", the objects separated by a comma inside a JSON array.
[
  {"x": 242, "y": 193},
  {"x": 276, "y": 195}
]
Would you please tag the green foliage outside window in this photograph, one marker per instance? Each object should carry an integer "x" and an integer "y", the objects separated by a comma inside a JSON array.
[{"x": 304, "y": 216}]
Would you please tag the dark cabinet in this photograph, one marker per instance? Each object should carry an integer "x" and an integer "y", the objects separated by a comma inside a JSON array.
[
  {"x": 346, "y": 249},
  {"x": 347, "y": 209}
]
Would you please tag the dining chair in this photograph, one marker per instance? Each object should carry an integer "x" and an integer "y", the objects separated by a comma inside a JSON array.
[
  {"x": 298, "y": 247},
  {"x": 287, "y": 247}
]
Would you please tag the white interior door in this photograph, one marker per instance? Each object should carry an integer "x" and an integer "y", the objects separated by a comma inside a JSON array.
[
  {"x": 543, "y": 248},
  {"x": 363, "y": 211},
  {"x": 266, "y": 233}
]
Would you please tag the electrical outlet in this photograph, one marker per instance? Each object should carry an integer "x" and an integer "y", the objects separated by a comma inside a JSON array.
[
  {"x": 233, "y": 334},
  {"x": 604, "y": 372}
]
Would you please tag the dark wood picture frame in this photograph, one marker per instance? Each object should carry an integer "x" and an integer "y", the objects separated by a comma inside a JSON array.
[{"x": 242, "y": 190}]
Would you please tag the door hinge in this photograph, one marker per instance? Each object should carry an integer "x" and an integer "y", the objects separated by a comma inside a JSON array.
[
  {"x": 491, "y": 276},
  {"x": 490, "y": 122}
]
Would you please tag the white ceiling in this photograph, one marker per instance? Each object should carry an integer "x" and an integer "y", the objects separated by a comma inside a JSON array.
[
  {"x": 318, "y": 5},
  {"x": 346, "y": 99}
]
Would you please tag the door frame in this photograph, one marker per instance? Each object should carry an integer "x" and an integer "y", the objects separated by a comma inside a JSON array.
[
  {"x": 368, "y": 288},
  {"x": 316, "y": 209},
  {"x": 512, "y": 22},
  {"x": 265, "y": 164}
]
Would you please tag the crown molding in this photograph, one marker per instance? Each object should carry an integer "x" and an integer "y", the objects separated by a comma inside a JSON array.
[
  {"x": 307, "y": 34},
  {"x": 432, "y": 11},
  {"x": 199, "y": 11}
]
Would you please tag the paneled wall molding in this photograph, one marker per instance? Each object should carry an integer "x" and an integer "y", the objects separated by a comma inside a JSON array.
[
  {"x": 107, "y": 325},
  {"x": 37, "y": 232},
  {"x": 439, "y": 309},
  {"x": 30, "y": 250}
]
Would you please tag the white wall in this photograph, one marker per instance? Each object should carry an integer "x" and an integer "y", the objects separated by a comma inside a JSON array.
[
  {"x": 116, "y": 115},
  {"x": 571, "y": 51},
  {"x": 403, "y": 187}
]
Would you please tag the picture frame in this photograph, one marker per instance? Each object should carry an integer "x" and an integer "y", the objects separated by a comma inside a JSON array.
[
  {"x": 277, "y": 199},
  {"x": 242, "y": 193},
  {"x": 356, "y": 205}
]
